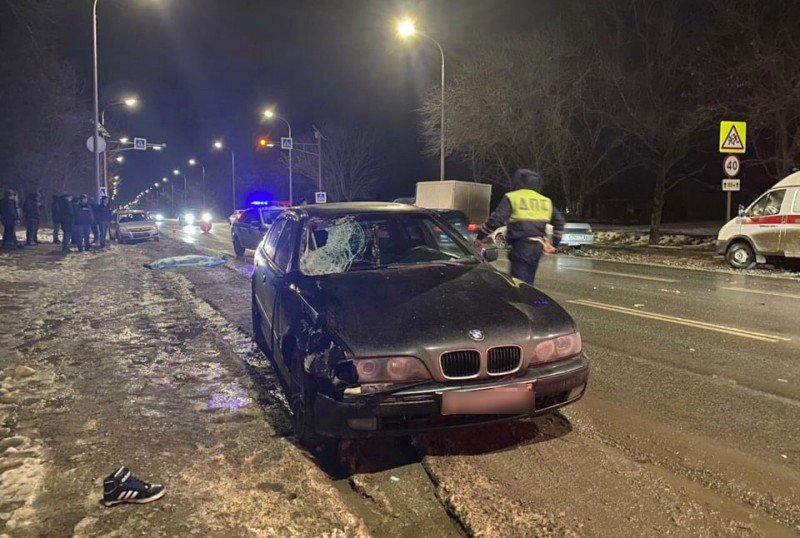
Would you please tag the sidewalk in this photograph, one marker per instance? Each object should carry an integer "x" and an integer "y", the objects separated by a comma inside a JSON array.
[{"x": 106, "y": 363}]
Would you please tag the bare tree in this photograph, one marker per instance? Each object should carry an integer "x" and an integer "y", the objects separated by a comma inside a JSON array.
[
  {"x": 759, "y": 78},
  {"x": 351, "y": 162},
  {"x": 531, "y": 102}
]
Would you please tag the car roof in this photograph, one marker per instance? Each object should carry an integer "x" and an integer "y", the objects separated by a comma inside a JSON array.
[
  {"x": 792, "y": 180},
  {"x": 340, "y": 209}
]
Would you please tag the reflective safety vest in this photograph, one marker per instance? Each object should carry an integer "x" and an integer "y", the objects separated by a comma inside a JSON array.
[{"x": 527, "y": 204}]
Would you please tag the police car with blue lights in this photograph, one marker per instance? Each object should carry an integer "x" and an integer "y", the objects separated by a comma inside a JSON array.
[{"x": 249, "y": 228}]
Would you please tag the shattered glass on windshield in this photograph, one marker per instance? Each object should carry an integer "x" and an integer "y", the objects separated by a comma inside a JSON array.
[
  {"x": 333, "y": 249},
  {"x": 377, "y": 241}
]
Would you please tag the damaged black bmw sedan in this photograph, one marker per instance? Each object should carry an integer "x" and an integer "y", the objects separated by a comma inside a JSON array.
[{"x": 382, "y": 320}]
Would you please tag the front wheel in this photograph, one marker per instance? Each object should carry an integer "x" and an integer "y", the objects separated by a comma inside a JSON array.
[
  {"x": 238, "y": 249},
  {"x": 740, "y": 255},
  {"x": 155, "y": 239},
  {"x": 301, "y": 402}
]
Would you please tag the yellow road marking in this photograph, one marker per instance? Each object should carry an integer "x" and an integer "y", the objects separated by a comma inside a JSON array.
[
  {"x": 745, "y": 333},
  {"x": 775, "y": 293},
  {"x": 627, "y": 275}
]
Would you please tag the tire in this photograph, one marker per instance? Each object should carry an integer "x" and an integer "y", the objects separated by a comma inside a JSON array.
[
  {"x": 740, "y": 255},
  {"x": 301, "y": 402},
  {"x": 155, "y": 239},
  {"x": 238, "y": 249},
  {"x": 258, "y": 333},
  {"x": 500, "y": 241}
]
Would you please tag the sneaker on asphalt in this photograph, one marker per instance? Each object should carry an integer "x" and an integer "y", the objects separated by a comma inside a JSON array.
[{"x": 123, "y": 487}]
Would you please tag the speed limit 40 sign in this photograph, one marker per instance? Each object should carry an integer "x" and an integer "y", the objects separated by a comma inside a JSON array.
[{"x": 731, "y": 166}]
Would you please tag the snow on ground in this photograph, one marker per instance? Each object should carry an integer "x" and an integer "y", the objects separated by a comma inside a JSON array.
[{"x": 106, "y": 363}]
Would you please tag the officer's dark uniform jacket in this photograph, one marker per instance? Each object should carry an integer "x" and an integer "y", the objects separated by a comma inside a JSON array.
[{"x": 525, "y": 213}]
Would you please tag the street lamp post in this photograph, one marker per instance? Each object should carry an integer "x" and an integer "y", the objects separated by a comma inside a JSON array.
[
  {"x": 155, "y": 185},
  {"x": 171, "y": 195},
  {"x": 129, "y": 102},
  {"x": 405, "y": 29},
  {"x": 193, "y": 162},
  {"x": 219, "y": 145},
  {"x": 185, "y": 189},
  {"x": 96, "y": 147},
  {"x": 269, "y": 114}
]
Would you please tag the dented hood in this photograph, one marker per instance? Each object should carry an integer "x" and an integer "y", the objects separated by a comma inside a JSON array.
[{"x": 405, "y": 311}]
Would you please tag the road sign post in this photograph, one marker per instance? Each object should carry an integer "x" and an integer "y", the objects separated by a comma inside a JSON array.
[{"x": 730, "y": 185}]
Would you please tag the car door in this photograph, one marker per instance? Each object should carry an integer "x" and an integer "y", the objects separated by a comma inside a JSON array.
[
  {"x": 286, "y": 300},
  {"x": 263, "y": 276},
  {"x": 790, "y": 228},
  {"x": 762, "y": 222}
]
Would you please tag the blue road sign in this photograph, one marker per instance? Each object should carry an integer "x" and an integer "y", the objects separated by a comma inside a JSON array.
[
  {"x": 140, "y": 144},
  {"x": 286, "y": 142},
  {"x": 321, "y": 197}
]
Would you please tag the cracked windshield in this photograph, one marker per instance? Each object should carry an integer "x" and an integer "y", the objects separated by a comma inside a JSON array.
[{"x": 400, "y": 268}]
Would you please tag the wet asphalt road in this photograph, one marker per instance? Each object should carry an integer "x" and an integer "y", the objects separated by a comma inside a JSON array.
[{"x": 695, "y": 391}]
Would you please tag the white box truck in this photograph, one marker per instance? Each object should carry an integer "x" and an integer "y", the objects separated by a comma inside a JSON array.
[{"x": 471, "y": 198}]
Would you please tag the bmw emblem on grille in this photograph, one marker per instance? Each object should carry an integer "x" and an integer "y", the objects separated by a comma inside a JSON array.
[{"x": 476, "y": 335}]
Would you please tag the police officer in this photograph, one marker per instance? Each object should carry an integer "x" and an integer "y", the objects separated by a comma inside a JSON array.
[{"x": 525, "y": 212}]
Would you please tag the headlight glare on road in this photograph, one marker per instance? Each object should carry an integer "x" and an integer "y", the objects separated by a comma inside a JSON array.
[
  {"x": 206, "y": 217},
  {"x": 188, "y": 218},
  {"x": 390, "y": 369},
  {"x": 556, "y": 348}
]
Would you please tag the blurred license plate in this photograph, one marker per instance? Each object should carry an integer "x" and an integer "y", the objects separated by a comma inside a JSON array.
[{"x": 498, "y": 401}]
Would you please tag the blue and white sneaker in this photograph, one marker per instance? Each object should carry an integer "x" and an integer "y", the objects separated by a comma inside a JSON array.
[{"x": 123, "y": 487}]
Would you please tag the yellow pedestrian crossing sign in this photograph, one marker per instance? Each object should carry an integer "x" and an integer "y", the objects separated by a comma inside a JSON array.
[{"x": 732, "y": 136}]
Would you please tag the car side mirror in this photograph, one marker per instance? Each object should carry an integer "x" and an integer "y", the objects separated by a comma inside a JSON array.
[
  {"x": 490, "y": 254},
  {"x": 741, "y": 210}
]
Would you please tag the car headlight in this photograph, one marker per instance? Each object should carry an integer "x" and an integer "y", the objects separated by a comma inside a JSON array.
[
  {"x": 557, "y": 348},
  {"x": 206, "y": 217},
  {"x": 390, "y": 369},
  {"x": 159, "y": 216},
  {"x": 188, "y": 218}
]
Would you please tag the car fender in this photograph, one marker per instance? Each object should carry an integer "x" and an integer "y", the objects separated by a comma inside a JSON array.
[{"x": 760, "y": 258}]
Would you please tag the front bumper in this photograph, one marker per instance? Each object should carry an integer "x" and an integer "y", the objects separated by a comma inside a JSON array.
[
  {"x": 137, "y": 236},
  {"x": 722, "y": 246},
  {"x": 418, "y": 408}
]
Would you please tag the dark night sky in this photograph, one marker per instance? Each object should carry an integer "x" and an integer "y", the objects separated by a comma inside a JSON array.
[{"x": 207, "y": 68}]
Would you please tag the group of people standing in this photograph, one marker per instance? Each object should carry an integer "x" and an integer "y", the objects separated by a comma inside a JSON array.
[{"x": 77, "y": 219}]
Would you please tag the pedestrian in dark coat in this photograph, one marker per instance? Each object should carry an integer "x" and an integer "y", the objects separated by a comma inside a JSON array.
[
  {"x": 66, "y": 215},
  {"x": 84, "y": 220},
  {"x": 102, "y": 217},
  {"x": 54, "y": 215},
  {"x": 9, "y": 215},
  {"x": 32, "y": 212}
]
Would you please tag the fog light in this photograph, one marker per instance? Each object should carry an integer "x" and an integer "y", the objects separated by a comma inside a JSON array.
[
  {"x": 363, "y": 424},
  {"x": 577, "y": 391}
]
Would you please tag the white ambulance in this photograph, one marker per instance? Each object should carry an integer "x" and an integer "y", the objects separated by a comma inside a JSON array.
[{"x": 769, "y": 229}]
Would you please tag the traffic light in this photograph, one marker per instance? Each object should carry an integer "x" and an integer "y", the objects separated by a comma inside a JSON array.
[{"x": 263, "y": 142}]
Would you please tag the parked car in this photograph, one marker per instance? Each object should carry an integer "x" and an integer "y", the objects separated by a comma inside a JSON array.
[
  {"x": 768, "y": 229},
  {"x": 576, "y": 235},
  {"x": 131, "y": 226},
  {"x": 235, "y": 216},
  {"x": 249, "y": 229},
  {"x": 459, "y": 221},
  {"x": 377, "y": 326}
]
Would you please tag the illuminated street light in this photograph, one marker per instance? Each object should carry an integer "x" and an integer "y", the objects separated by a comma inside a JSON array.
[
  {"x": 124, "y": 140},
  {"x": 131, "y": 102},
  {"x": 270, "y": 114},
  {"x": 406, "y": 29},
  {"x": 218, "y": 145},
  {"x": 120, "y": 158}
]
